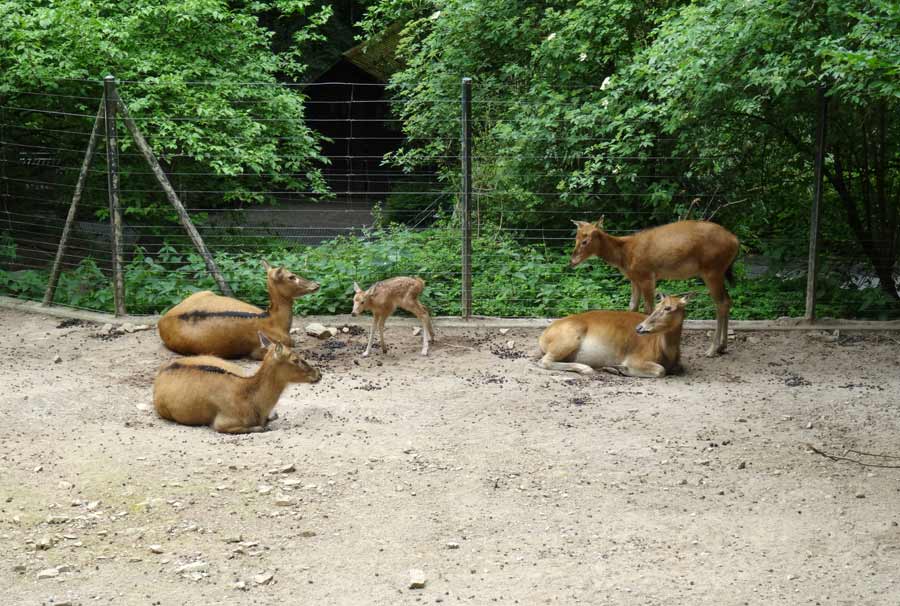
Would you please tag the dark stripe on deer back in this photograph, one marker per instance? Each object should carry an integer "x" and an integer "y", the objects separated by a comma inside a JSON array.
[
  {"x": 202, "y": 368},
  {"x": 197, "y": 315}
]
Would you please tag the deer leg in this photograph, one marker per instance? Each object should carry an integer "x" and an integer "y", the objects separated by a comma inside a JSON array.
[
  {"x": 635, "y": 297},
  {"x": 647, "y": 286},
  {"x": 643, "y": 369},
  {"x": 381, "y": 322},
  {"x": 232, "y": 425},
  {"x": 548, "y": 363},
  {"x": 421, "y": 312},
  {"x": 561, "y": 348},
  {"x": 425, "y": 339},
  {"x": 716, "y": 286},
  {"x": 371, "y": 336},
  {"x": 426, "y": 321}
]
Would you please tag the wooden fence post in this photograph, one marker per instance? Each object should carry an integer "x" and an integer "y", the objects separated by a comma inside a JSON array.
[
  {"x": 115, "y": 208},
  {"x": 73, "y": 209},
  {"x": 812, "y": 268},
  {"x": 466, "y": 198}
]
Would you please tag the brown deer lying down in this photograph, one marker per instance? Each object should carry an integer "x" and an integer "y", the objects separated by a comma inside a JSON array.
[
  {"x": 383, "y": 298},
  {"x": 207, "y": 323},
  {"x": 677, "y": 251},
  {"x": 626, "y": 342},
  {"x": 205, "y": 390}
]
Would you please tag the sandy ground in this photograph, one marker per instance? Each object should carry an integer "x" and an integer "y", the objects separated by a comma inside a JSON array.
[{"x": 503, "y": 483}]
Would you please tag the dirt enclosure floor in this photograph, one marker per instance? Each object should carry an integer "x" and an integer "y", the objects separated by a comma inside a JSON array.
[{"x": 501, "y": 482}]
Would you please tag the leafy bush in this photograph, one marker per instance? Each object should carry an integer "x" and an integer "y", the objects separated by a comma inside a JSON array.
[{"x": 509, "y": 279}]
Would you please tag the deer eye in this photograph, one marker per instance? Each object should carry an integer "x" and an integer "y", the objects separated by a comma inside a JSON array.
[
  {"x": 668, "y": 308},
  {"x": 584, "y": 242}
]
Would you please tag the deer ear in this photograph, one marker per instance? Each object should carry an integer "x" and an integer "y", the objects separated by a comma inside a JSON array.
[
  {"x": 686, "y": 297},
  {"x": 264, "y": 340},
  {"x": 266, "y": 265},
  {"x": 599, "y": 222},
  {"x": 660, "y": 297},
  {"x": 356, "y": 287}
]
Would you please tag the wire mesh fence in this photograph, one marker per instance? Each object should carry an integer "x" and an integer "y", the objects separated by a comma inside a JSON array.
[{"x": 325, "y": 179}]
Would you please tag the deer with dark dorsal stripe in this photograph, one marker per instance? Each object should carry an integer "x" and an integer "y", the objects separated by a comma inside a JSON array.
[
  {"x": 205, "y": 390},
  {"x": 207, "y": 323},
  {"x": 677, "y": 251}
]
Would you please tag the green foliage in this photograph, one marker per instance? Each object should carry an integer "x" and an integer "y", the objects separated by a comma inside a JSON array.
[
  {"x": 509, "y": 279},
  {"x": 653, "y": 111},
  {"x": 181, "y": 65}
]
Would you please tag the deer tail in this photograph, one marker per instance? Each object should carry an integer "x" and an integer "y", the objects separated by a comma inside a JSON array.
[{"x": 729, "y": 274}]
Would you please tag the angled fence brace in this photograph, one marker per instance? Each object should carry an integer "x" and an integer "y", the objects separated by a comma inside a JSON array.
[
  {"x": 173, "y": 198},
  {"x": 73, "y": 209}
]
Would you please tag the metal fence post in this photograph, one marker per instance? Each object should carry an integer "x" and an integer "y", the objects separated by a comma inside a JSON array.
[
  {"x": 466, "y": 199},
  {"x": 812, "y": 268},
  {"x": 115, "y": 209}
]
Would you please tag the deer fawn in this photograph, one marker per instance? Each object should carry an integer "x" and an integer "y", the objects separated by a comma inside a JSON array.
[
  {"x": 626, "y": 342},
  {"x": 207, "y": 323},
  {"x": 383, "y": 298},
  {"x": 681, "y": 250},
  {"x": 205, "y": 390}
]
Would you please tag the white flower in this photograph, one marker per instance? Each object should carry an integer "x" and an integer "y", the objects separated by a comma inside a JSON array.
[
  {"x": 551, "y": 36},
  {"x": 605, "y": 84},
  {"x": 582, "y": 57},
  {"x": 435, "y": 15},
  {"x": 604, "y": 102}
]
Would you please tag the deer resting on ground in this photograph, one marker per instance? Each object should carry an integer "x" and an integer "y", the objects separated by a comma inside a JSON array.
[
  {"x": 205, "y": 390},
  {"x": 624, "y": 342},
  {"x": 383, "y": 298},
  {"x": 677, "y": 251},
  {"x": 207, "y": 323}
]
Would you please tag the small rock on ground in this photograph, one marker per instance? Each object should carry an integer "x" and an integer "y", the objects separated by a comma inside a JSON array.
[{"x": 417, "y": 579}]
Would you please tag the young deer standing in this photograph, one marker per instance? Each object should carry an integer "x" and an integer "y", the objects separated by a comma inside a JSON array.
[
  {"x": 205, "y": 390},
  {"x": 677, "y": 251},
  {"x": 383, "y": 298},
  {"x": 626, "y": 342},
  {"x": 207, "y": 323}
]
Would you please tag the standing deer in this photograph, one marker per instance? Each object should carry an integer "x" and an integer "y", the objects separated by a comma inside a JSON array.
[
  {"x": 205, "y": 390},
  {"x": 383, "y": 298},
  {"x": 677, "y": 251},
  {"x": 207, "y": 323},
  {"x": 625, "y": 342}
]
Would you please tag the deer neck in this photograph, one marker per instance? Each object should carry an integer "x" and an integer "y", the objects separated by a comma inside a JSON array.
[
  {"x": 669, "y": 345},
  {"x": 281, "y": 309},
  {"x": 611, "y": 249},
  {"x": 264, "y": 389}
]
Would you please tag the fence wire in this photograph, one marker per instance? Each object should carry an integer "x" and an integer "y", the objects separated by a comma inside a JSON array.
[{"x": 347, "y": 208}]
